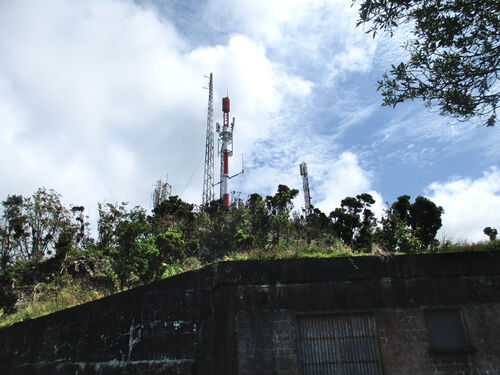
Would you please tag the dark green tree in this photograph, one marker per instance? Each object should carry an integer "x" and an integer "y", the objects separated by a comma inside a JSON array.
[
  {"x": 317, "y": 225},
  {"x": 217, "y": 230},
  {"x": 454, "y": 54},
  {"x": 410, "y": 227},
  {"x": 354, "y": 222},
  {"x": 402, "y": 207},
  {"x": 364, "y": 239},
  {"x": 346, "y": 219},
  {"x": 260, "y": 222},
  {"x": 14, "y": 232},
  {"x": 34, "y": 226},
  {"x": 178, "y": 218},
  {"x": 425, "y": 220},
  {"x": 279, "y": 207},
  {"x": 394, "y": 234},
  {"x": 491, "y": 233},
  {"x": 120, "y": 234}
]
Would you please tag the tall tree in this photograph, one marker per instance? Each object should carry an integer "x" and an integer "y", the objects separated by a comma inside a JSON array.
[
  {"x": 259, "y": 220},
  {"x": 454, "y": 54},
  {"x": 410, "y": 227},
  {"x": 491, "y": 233},
  {"x": 425, "y": 220},
  {"x": 279, "y": 206},
  {"x": 354, "y": 222},
  {"x": 346, "y": 219},
  {"x": 35, "y": 225},
  {"x": 364, "y": 239}
]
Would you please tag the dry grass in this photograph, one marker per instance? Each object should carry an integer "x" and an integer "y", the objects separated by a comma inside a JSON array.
[{"x": 54, "y": 297}]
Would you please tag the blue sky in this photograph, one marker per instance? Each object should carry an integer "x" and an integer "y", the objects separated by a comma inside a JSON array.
[{"x": 99, "y": 99}]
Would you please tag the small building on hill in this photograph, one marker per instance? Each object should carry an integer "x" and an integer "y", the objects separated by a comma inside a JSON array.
[{"x": 410, "y": 314}]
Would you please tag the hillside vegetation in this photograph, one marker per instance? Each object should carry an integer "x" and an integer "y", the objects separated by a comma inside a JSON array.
[{"x": 50, "y": 262}]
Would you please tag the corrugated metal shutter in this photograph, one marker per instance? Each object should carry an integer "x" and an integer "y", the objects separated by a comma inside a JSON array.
[{"x": 338, "y": 344}]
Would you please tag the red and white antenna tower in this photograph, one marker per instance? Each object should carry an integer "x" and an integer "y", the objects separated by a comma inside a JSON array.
[
  {"x": 226, "y": 149},
  {"x": 208, "y": 178}
]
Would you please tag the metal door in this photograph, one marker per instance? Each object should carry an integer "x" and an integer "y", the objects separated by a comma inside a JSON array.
[{"x": 332, "y": 344}]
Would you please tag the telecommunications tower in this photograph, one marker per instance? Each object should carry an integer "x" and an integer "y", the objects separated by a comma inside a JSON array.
[
  {"x": 208, "y": 178},
  {"x": 226, "y": 149},
  {"x": 161, "y": 192},
  {"x": 305, "y": 183}
]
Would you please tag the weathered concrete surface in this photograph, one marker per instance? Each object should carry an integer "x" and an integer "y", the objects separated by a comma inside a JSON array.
[
  {"x": 149, "y": 330},
  {"x": 265, "y": 299},
  {"x": 241, "y": 318}
]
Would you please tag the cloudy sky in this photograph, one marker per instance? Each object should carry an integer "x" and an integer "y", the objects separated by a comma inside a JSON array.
[{"x": 98, "y": 99}]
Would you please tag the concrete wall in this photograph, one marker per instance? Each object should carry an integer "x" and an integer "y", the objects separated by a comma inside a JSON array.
[
  {"x": 149, "y": 330},
  {"x": 264, "y": 300},
  {"x": 241, "y": 318}
]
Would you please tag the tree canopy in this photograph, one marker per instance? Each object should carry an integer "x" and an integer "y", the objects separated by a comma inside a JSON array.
[{"x": 454, "y": 54}]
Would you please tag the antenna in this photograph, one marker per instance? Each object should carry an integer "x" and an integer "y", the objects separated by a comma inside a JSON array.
[
  {"x": 161, "y": 192},
  {"x": 305, "y": 184},
  {"x": 226, "y": 149},
  {"x": 208, "y": 176}
]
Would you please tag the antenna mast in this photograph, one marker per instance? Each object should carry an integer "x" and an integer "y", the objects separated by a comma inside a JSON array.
[
  {"x": 208, "y": 178},
  {"x": 161, "y": 192},
  {"x": 305, "y": 183},
  {"x": 226, "y": 150}
]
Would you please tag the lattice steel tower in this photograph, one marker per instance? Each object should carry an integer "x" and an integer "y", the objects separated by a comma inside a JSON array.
[
  {"x": 208, "y": 178},
  {"x": 305, "y": 183}
]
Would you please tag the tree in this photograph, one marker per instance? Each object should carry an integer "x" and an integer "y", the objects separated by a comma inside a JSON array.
[
  {"x": 259, "y": 220},
  {"x": 364, "y": 239},
  {"x": 346, "y": 219},
  {"x": 425, "y": 220},
  {"x": 279, "y": 207},
  {"x": 410, "y": 227},
  {"x": 317, "y": 224},
  {"x": 120, "y": 234},
  {"x": 216, "y": 234},
  {"x": 454, "y": 54},
  {"x": 354, "y": 222},
  {"x": 33, "y": 227},
  {"x": 491, "y": 233}
]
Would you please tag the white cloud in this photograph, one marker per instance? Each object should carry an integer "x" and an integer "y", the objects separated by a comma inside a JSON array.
[
  {"x": 341, "y": 178},
  {"x": 469, "y": 205},
  {"x": 98, "y": 99},
  {"x": 317, "y": 36}
]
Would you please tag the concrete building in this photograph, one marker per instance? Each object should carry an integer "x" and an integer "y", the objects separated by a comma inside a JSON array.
[{"x": 412, "y": 314}]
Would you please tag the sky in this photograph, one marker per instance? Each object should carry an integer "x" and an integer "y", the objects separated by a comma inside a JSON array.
[{"x": 99, "y": 99}]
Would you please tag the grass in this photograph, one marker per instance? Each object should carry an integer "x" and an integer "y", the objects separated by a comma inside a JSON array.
[
  {"x": 295, "y": 249},
  {"x": 66, "y": 291},
  {"x": 449, "y": 247},
  {"x": 55, "y": 296}
]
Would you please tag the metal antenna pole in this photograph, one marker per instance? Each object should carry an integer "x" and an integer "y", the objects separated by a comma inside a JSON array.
[
  {"x": 208, "y": 177},
  {"x": 305, "y": 183},
  {"x": 226, "y": 149}
]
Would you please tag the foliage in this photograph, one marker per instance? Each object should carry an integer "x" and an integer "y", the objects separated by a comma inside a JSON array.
[
  {"x": 410, "y": 227},
  {"x": 354, "y": 222},
  {"x": 53, "y": 296},
  {"x": 36, "y": 226},
  {"x": 454, "y": 54},
  {"x": 279, "y": 207},
  {"x": 135, "y": 248},
  {"x": 450, "y": 247},
  {"x": 491, "y": 233}
]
